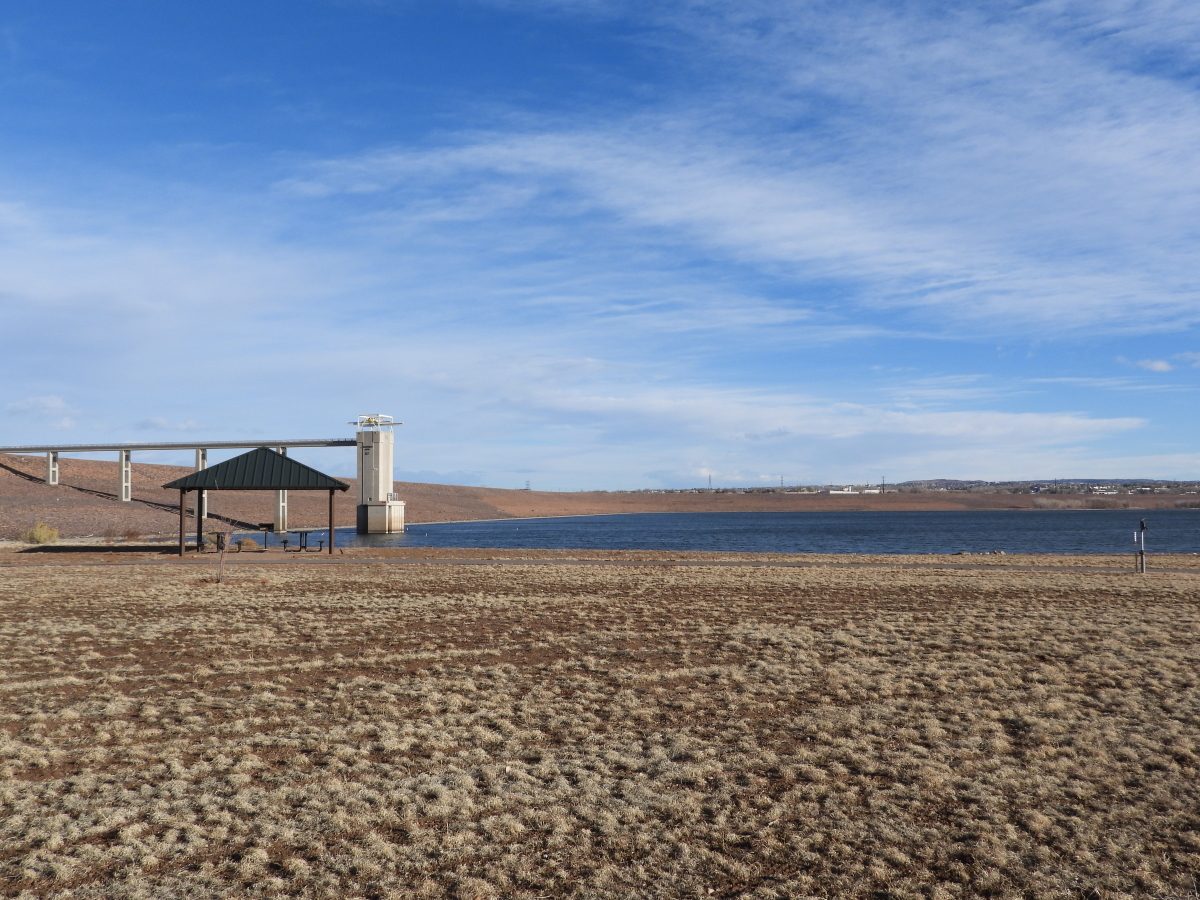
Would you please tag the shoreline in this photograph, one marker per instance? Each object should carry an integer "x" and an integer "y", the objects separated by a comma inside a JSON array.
[
  {"x": 85, "y": 503},
  {"x": 167, "y": 542}
]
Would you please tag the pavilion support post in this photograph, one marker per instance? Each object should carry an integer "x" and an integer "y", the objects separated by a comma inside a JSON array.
[
  {"x": 201, "y": 496},
  {"x": 182, "y": 521},
  {"x": 331, "y": 520},
  {"x": 126, "y": 460},
  {"x": 199, "y": 523},
  {"x": 52, "y": 467},
  {"x": 201, "y": 516}
]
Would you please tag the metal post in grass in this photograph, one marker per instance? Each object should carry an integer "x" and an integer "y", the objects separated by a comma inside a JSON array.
[
  {"x": 1142, "y": 547},
  {"x": 222, "y": 543}
]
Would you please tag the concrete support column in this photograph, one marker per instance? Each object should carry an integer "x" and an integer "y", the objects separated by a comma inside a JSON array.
[
  {"x": 126, "y": 493},
  {"x": 52, "y": 467},
  {"x": 201, "y": 496},
  {"x": 281, "y": 518}
]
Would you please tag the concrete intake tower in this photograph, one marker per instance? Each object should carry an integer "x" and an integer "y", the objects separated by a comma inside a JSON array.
[{"x": 379, "y": 509}]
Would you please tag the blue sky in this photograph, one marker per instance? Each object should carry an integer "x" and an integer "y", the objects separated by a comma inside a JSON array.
[{"x": 601, "y": 244}]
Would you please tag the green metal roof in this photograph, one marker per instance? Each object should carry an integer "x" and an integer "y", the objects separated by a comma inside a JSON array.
[{"x": 258, "y": 470}]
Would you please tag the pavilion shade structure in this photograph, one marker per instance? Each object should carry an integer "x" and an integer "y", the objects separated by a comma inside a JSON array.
[{"x": 258, "y": 470}]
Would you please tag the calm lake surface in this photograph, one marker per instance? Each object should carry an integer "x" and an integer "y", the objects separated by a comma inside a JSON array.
[{"x": 1013, "y": 531}]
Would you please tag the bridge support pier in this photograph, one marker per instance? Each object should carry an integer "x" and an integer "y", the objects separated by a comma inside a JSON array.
[
  {"x": 281, "y": 522},
  {"x": 126, "y": 493},
  {"x": 52, "y": 467}
]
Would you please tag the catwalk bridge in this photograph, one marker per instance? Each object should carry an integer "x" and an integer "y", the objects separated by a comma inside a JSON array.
[{"x": 374, "y": 441}]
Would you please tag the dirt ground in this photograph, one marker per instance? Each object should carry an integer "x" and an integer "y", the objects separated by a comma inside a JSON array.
[
  {"x": 85, "y": 502},
  {"x": 380, "y": 728},
  {"x": 165, "y": 551}
]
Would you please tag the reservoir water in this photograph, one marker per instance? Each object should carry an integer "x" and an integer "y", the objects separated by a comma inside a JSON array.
[{"x": 1013, "y": 531}]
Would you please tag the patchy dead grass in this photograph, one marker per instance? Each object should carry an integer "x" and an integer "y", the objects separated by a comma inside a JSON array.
[
  {"x": 599, "y": 732},
  {"x": 1124, "y": 561}
]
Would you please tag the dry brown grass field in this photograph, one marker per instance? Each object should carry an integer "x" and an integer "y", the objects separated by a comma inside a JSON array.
[{"x": 495, "y": 731}]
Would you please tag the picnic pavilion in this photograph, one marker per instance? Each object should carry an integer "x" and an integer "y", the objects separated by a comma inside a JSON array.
[{"x": 259, "y": 470}]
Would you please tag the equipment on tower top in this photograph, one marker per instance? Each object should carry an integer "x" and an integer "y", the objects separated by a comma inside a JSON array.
[{"x": 376, "y": 422}]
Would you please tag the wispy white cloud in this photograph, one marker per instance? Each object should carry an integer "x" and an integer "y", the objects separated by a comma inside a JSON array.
[
  {"x": 952, "y": 388},
  {"x": 48, "y": 411},
  {"x": 749, "y": 417},
  {"x": 50, "y": 404},
  {"x": 618, "y": 419},
  {"x": 991, "y": 167},
  {"x": 1111, "y": 383},
  {"x": 1155, "y": 365}
]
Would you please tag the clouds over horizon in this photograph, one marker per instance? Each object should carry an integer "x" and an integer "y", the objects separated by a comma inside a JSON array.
[
  {"x": 699, "y": 271},
  {"x": 986, "y": 169}
]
